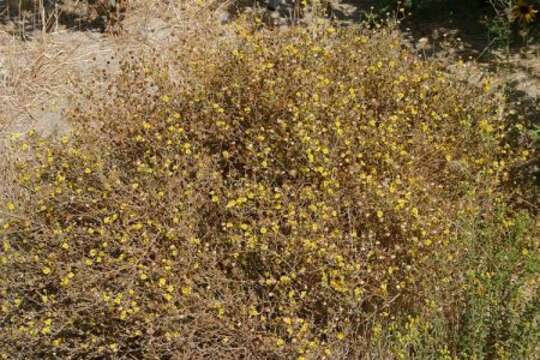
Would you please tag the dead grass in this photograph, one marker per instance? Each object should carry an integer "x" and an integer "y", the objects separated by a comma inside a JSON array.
[
  {"x": 44, "y": 76},
  {"x": 41, "y": 73}
]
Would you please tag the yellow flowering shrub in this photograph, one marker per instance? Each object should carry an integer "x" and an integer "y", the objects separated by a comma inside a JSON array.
[{"x": 289, "y": 201}]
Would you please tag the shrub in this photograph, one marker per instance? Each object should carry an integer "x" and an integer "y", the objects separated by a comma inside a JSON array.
[
  {"x": 296, "y": 197},
  {"x": 487, "y": 306}
]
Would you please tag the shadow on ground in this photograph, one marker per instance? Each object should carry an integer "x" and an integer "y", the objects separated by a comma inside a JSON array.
[{"x": 70, "y": 14}]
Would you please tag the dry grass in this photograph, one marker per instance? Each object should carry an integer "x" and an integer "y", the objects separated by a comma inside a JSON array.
[
  {"x": 44, "y": 76},
  {"x": 43, "y": 71},
  {"x": 39, "y": 83}
]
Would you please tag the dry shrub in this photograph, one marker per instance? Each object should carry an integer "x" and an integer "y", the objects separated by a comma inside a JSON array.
[{"x": 289, "y": 201}]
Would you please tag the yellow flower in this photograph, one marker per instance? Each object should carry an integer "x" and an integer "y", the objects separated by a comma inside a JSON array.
[
  {"x": 46, "y": 270},
  {"x": 523, "y": 12},
  {"x": 47, "y": 328},
  {"x": 186, "y": 290},
  {"x": 486, "y": 126},
  {"x": 137, "y": 226}
]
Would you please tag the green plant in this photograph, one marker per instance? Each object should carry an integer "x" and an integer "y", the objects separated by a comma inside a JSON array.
[
  {"x": 502, "y": 292},
  {"x": 511, "y": 19},
  {"x": 500, "y": 31},
  {"x": 490, "y": 307}
]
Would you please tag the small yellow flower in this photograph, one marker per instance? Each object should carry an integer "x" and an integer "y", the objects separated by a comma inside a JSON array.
[
  {"x": 186, "y": 290},
  {"x": 46, "y": 270},
  {"x": 137, "y": 226},
  {"x": 253, "y": 311},
  {"x": 47, "y": 328},
  {"x": 486, "y": 126}
]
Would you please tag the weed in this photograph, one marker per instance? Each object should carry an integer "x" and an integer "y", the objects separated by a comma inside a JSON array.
[{"x": 297, "y": 197}]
